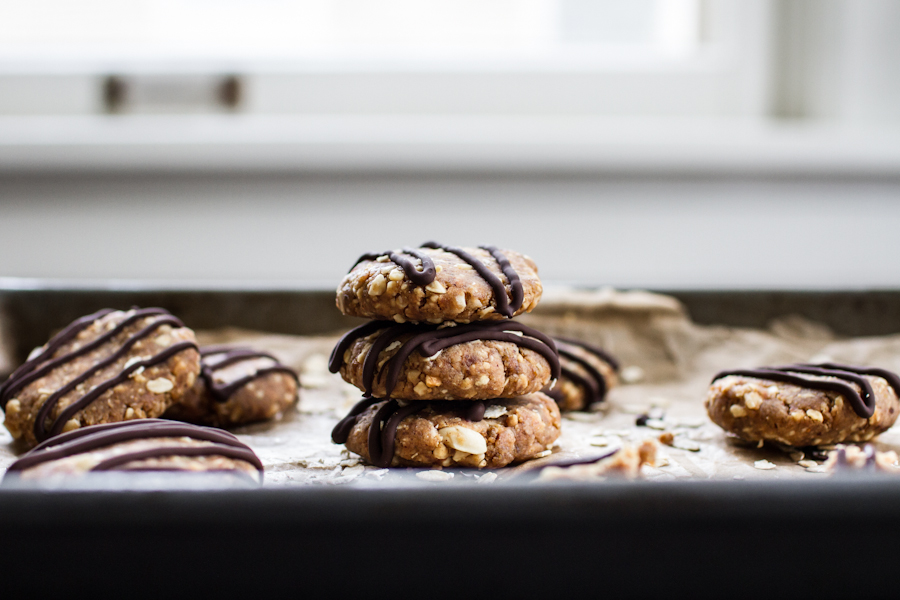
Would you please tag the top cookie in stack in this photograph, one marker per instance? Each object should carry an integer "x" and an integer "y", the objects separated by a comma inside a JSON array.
[{"x": 436, "y": 283}]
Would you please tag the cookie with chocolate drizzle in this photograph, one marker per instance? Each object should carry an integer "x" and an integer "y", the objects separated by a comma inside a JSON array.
[
  {"x": 805, "y": 404},
  {"x": 587, "y": 373},
  {"x": 481, "y": 434},
  {"x": 436, "y": 283},
  {"x": 236, "y": 386},
  {"x": 106, "y": 367},
  {"x": 473, "y": 361},
  {"x": 142, "y": 445}
]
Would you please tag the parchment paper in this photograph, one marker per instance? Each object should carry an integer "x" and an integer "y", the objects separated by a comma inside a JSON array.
[{"x": 667, "y": 360}]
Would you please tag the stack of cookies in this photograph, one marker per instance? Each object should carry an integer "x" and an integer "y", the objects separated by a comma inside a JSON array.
[{"x": 449, "y": 379}]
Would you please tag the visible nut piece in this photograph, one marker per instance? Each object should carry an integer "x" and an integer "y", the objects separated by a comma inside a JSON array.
[
  {"x": 737, "y": 410},
  {"x": 71, "y": 425},
  {"x": 436, "y": 287},
  {"x": 377, "y": 285},
  {"x": 463, "y": 438},
  {"x": 160, "y": 385},
  {"x": 752, "y": 400},
  {"x": 815, "y": 415}
]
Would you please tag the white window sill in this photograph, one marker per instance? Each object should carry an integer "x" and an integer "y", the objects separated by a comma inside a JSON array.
[{"x": 440, "y": 143}]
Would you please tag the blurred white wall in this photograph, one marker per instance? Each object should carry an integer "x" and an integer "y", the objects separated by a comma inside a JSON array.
[{"x": 648, "y": 231}]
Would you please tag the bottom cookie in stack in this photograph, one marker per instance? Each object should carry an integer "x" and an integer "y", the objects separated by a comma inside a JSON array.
[
  {"x": 141, "y": 445},
  {"x": 450, "y": 433}
]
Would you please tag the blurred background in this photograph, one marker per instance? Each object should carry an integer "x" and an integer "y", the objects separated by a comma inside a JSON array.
[{"x": 666, "y": 144}]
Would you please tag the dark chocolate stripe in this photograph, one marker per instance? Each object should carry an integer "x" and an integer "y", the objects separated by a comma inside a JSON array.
[
  {"x": 46, "y": 369},
  {"x": 383, "y": 431},
  {"x": 381, "y": 440},
  {"x": 420, "y": 278},
  {"x": 428, "y": 340},
  {"x": 599, "y": 352},
  {"x": 56, "y": 342},
  {"x": 86, "y": 439},
  {"x": 234, "y": 355},
  {"x": 594, "y": 385},
  {"x": 44, "y": 412},
  {"x": 245, "y": 455},
  {"x": 100, "y": 389},
  {"x": 517, "y": 292},
  {"x": 499, "y": 290},
  {"x": 863, "y": 403},
  {"x": 337, "y": 354}
]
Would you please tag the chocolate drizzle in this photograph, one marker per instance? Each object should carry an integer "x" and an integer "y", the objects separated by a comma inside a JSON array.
[
  {"x": 504, "y": 307},
  {"x": 95, "y": 437},
  {"x": 841, "y": 378},
  {"x": 507, "y": 305},
  {"x": 383, "y": 428},
  {"x": 233, "y": 355},
  {"x": 420, "y": 278},
  {"x": 428, "y": 340},
  {"x": 594, "y": 384},
  {"x": 42, "y": 364}
]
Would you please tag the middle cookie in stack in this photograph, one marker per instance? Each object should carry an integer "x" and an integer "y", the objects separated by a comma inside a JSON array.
[{"x": 460, "y": 390}]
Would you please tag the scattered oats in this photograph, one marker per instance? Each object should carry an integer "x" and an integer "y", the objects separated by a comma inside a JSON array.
[
  {"x": 131, "y": 361},
  {"x": 686, "y": 444},
  {"x": 160, "y": 385},
  {"x": 798, "y": 457},
  {"x": 434, "y": 475},
  {"x": 35, "y": 353},
  {"x": 543, "y": 454},
  {"x": 815, "y": 415},
  {"x": 703, "y": 435},
  {"x": 662, "y": 461},
  {"x": 494, "y": 411},
  {"x": 817, "y": 469},
  {"x": 486, "y": 478},
  {"x": 764, "y": 465},
  {"x": 631, "y": 374},
  {"x": 808, "y": 464},
  {"x": 657, "y": 424},
  {"x": 600, "y": 441},
  {"x": 379, "y": 474}
]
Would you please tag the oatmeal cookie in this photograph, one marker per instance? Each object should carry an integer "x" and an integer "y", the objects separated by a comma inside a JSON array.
[
  {"x": 805, "y": 405},
  {"x": 143, "y": 445},
  {"x": 106, "y": 367},
  {"x": 587, "y": 373},
  {"x": 436, "y": 283},
  {"x": 236, "y": 386},
  {"x": 464, "y": 362},
  {"x": 489, "y": 433}
]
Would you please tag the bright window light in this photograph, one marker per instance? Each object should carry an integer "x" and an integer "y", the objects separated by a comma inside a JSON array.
[{"x": 112, "y": 33}]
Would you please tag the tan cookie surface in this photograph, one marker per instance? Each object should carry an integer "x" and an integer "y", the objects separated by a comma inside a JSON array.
[
  {"x": 513, "y": 430},
  {"x": 475, "y": 370},
  {"x": 760, "y": 409},
  {"x": 569, "y": 392},
  {"x": 84, "y": 462},
  {"x": 263, "y": 397},
  {"x": 145, "y": 392},
  {"x": 380, "y": 289}
]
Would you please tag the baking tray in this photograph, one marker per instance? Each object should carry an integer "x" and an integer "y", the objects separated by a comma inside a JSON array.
[{"x": 736, "y": 539}]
